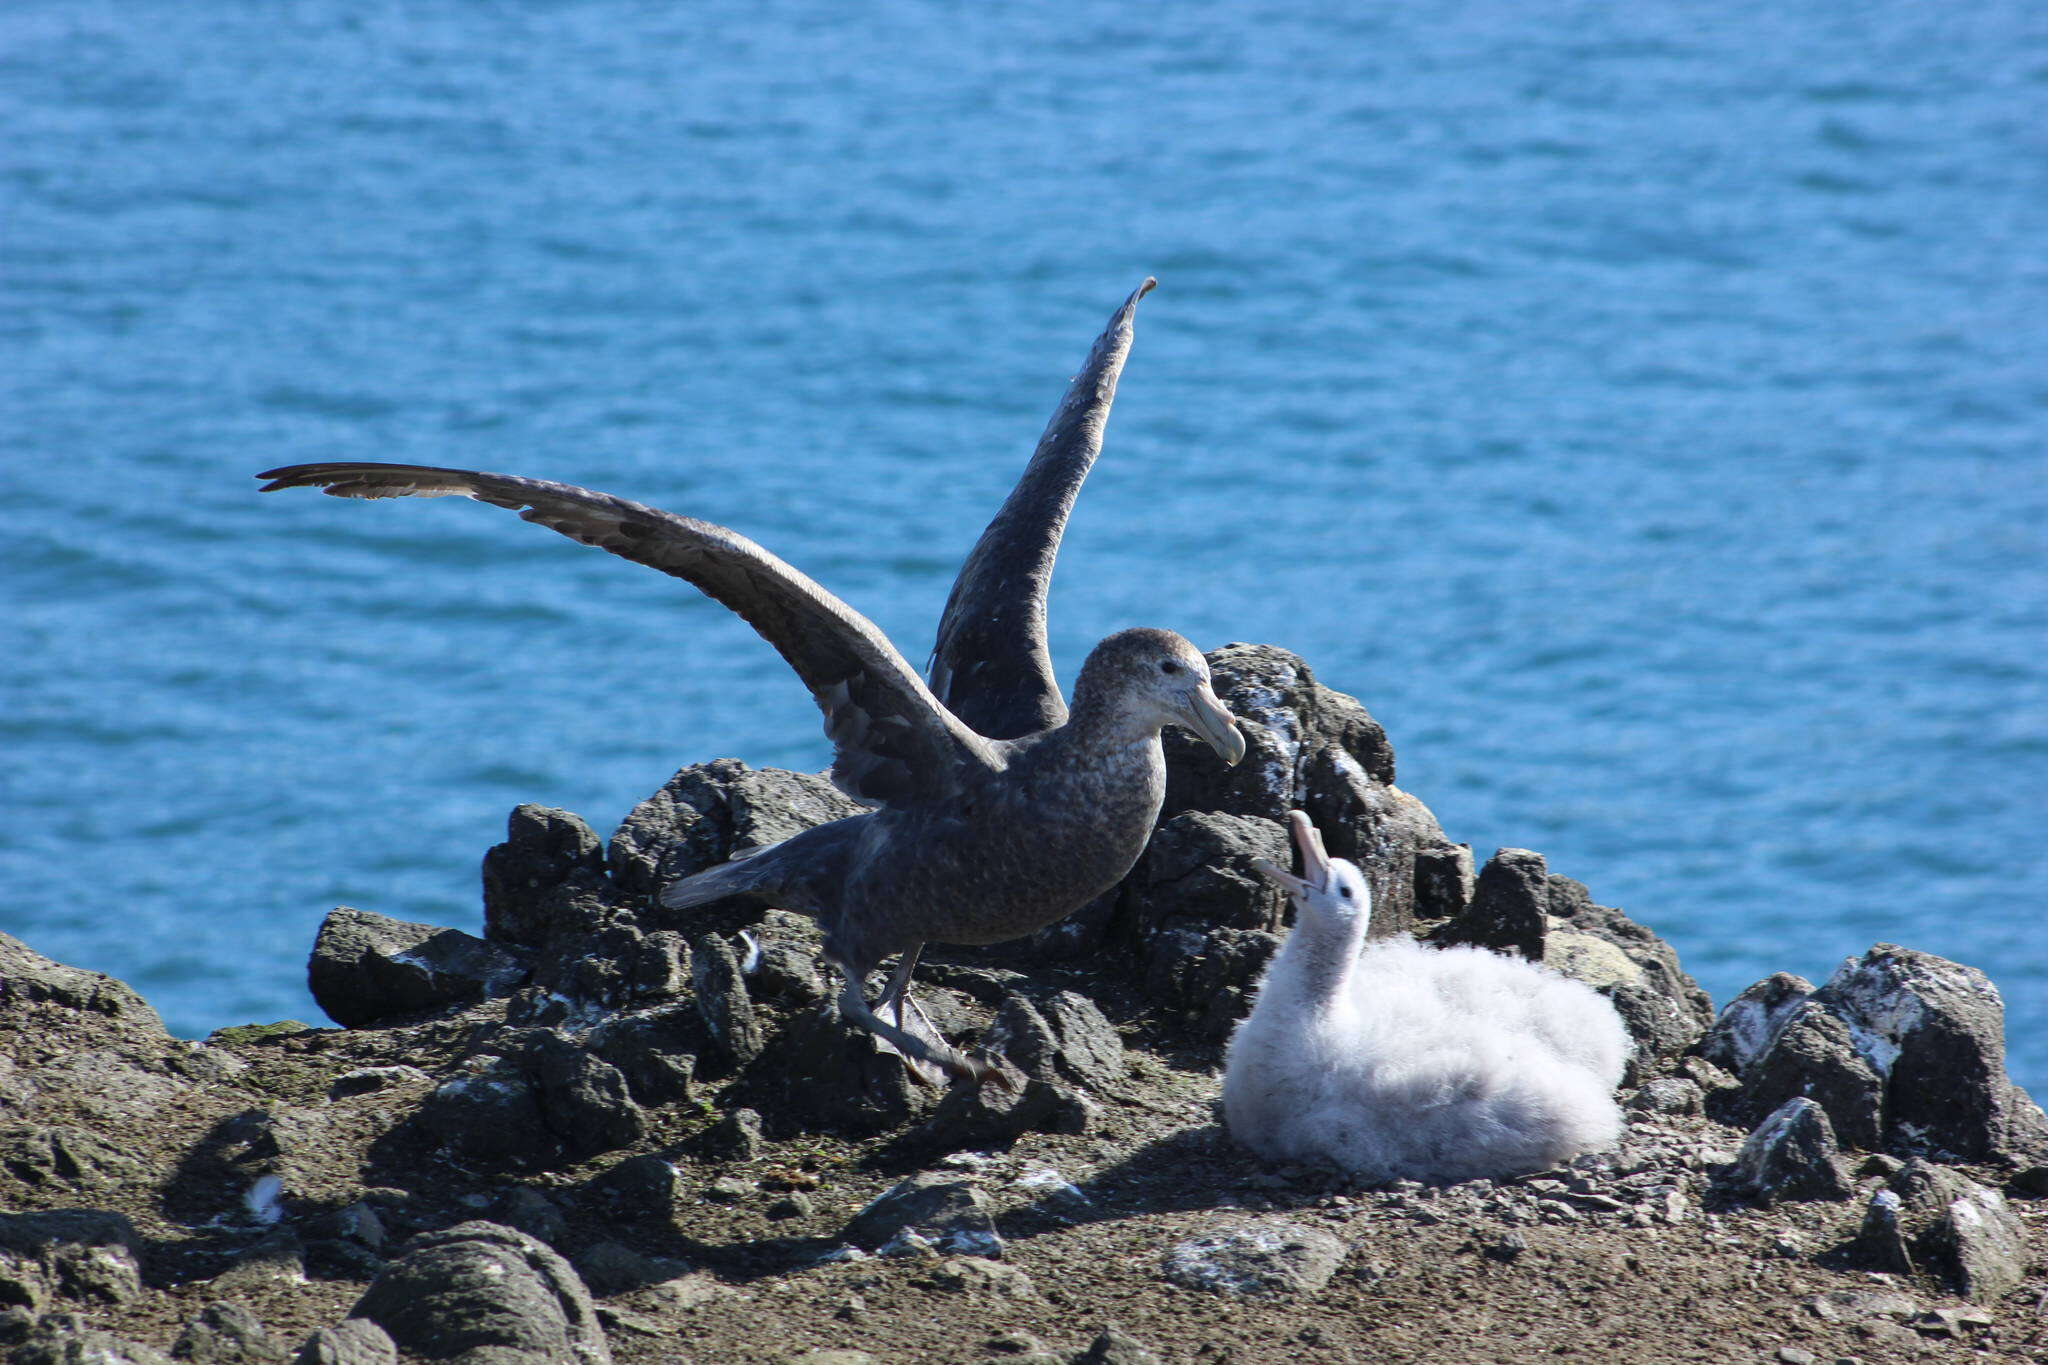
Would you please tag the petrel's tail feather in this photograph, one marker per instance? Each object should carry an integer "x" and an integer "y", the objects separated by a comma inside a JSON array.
[{"x": 735, "y": 878}]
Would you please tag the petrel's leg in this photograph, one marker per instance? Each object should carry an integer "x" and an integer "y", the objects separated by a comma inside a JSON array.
[
  {"x": 897, "y": 993},
  {"x": 897, "y": 1000},
  {"x": 854, "y": 1006}
]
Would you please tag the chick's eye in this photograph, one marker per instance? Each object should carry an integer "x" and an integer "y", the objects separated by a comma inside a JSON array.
[
  {"x": 1345, "y": 892},
  {"x": 1168, "y": 666}
]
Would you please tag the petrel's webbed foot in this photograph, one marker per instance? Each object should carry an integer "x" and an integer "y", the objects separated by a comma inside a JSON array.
[
  {"x": 989, "y": 1070},
  {"x": 924, "y": 1050}
]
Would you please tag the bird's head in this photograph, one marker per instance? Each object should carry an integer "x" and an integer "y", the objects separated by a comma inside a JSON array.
[
  {"x": 1329, "y": 888},
  {"x": 1161, "y": 679}
]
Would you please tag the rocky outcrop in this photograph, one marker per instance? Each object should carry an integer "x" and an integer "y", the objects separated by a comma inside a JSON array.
[
  {"x": 676, "y": 1119},
  {"x": 1934, "y": 1032},
  {"x": 541, "y": 1098},
  {"x": 1930, "y": 1219},
  {"x": 708, "y": 812},
  {"x": 485, "y": 1293},
  {"x": 1792, "y": 1154},
  {"x": 228, "y": 1334},
  {"x": 70, "y": 1339},
  {"x": 549, "y": 859},
  {"x": 1320, "y": 751},
  {"x": 367, "y": 968},
  {"x": 353, "y": 1341},
  {"x": 947, "y": 1212},
  {"x": 1201, "y": 923},
  {"x": 75, "y": 1256},
  {"x": 1748, "y": 1023},
  {"x": 1904, "y": 1051},
  {"x": 1257, "y": 1260},
  {"x": 33, "y": 987},
  {"x": 1510, "y": 907},
  {"x": 664, "y": 1009},
  {"x": 1812, "y": 1055}
]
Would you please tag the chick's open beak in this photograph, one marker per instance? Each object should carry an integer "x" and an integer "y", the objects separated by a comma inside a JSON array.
[
  {"x": 1210, "y": 719},
  {"x": 1315, "y": 860}
]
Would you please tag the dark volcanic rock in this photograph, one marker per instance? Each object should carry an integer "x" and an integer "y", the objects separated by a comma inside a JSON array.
[
  {"x": 1791, "y": 1155},
  {"x": 1258, "y": 1260},
  {"x": 37, "y": 1234},
  {"x": 1063, "y": 1038},
  {"x": 1940, "y": 1221},
  {"x": 710, "y": 811},
  {"x": 1748, "y": 1023},
  {"x": 610, "y": 1268},
  {"x": 542, "y": 1100},
  {"x": 822, "y": 1075},
  {"x": 1194, "y": 902},
  {"x": 227, "y": 1334},
  {"x": 786, "y": 961},
  {"x": 482, "y": 1287},
  {"x": 532, "y": 1213},
  {"x": 607, "y": 965},
  {"x": 988, "y": 1116},
  {"x": 1664, "y": 1009},
  {"x": 1444, "y": 881},
  {"x": 63, "y": 1156},
  {"x": 490, "y": 1114},
  {"x": 1113, "y": 1347},
  {"x": 548, "y": 857},
  {"x": 1209, "y": 977},
  {"x": 1510, "y": 907},
  {"x": 367, "y": 968},
  {"x": 1905, "y": 1050},
  {"x": 655, "y": 1050},
  {"x": 65, "y": 1339},
  {"x": 31, "y": 983},
  {"x": 583, "y": 1099},
  {"x": 644, "y": 1186},
  {"x": 1319, "y": 750},
  {"x": 103, "y": 1274},
  {"x": 353, "y": 1341},
  {"x": 1197, "y": 871},
  {"x": 736, "y": 1137},
  {"x": 949, "y": 1212},
  {"x": 1674, "y": 1095},
  {"x": 1812, "y": 1055},
  {"x": 1934, "y": 1030},
  {"x": 720, "y": 991}
]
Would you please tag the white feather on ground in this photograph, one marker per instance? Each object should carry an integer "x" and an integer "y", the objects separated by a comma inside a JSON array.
[{"x": 1396, "y": 1061}]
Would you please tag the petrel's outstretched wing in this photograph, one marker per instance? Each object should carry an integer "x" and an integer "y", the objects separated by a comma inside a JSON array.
[
  {"x": 893, "y": 740},
  {"x": 990, "y": 664}
]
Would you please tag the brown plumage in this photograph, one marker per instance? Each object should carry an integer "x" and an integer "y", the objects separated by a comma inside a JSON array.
[{"x": 984, "y": 831}]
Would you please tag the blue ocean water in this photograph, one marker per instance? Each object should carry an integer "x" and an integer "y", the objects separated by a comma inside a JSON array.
[{"x": 1641, "y": 408}]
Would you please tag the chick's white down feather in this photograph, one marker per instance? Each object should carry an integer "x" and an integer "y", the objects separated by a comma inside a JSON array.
[{"x": 1396, "y": 1061}]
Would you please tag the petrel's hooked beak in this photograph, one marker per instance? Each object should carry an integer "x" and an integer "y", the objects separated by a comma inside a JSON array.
[
  {"x": 1315, "y": 860},
  {"x": 1210, "y": 719}
]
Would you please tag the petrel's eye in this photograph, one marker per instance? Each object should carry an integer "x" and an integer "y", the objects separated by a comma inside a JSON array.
[{"x": 1168, "y": 666}]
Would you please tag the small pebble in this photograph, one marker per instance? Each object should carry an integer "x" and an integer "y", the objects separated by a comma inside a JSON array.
[{"x": 1508, "y": 1247}]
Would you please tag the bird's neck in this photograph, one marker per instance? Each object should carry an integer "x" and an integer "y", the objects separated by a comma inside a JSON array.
[
  {"x": 1316, "y": 961},
  {"x": 1103, "y": 718},
  {"x": 1108, "y": 742}
]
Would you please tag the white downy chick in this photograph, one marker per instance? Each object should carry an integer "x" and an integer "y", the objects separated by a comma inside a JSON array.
[{"x": 1397, "y": 1061}]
